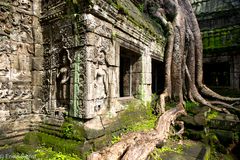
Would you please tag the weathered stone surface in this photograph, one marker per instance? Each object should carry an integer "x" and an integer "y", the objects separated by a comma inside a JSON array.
[
  {"x": 228, "y": 122},
  {"x": 38, "y": 78},
  {"x": 53, "y": 62},
  {"x": 190, "y": 150},
  {"x": 37, "y": 63}
]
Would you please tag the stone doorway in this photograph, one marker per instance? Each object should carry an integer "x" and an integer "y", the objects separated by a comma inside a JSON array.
[
  {"x": 130, "y": 72},
  {"x": 217, "y": 74},
  {"x": 157, "y": 76}
]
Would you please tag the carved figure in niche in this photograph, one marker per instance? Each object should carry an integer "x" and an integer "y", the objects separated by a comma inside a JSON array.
[
  {"x": 20, "y": 64},
  {"x": 63, "y": 79},
  {"x": 100, "y": 80}
]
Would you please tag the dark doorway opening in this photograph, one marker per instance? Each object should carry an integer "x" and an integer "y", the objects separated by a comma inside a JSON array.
[
  {"x": 130, "y": 72},
  {"x": 157, "y": 76},
  {"x": 217, "y": 74}
]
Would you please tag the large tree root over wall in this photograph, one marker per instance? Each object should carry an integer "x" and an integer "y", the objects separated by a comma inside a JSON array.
[
  {"x": 137, "y": 146},
  {"x": 183, "y": 80}
]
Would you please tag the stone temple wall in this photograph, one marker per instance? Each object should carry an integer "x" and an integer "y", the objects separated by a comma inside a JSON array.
[
  {"x": 91, "y": 44},
  {"x": 219, "y": 21},
  {"x": 20, "y": 67},
  {"x": 61, "y": 59}
]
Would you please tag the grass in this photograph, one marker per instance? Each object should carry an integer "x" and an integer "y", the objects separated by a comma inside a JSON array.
[
  {"x": 138, "y": 117},
  {"x": 156, "y": 154},
  {"x": 212, "y": 115}
]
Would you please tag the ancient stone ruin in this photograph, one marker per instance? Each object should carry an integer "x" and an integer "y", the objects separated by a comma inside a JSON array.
[
  {"x": 55, "y": 63},
  {"x": 219, "y": 23}
]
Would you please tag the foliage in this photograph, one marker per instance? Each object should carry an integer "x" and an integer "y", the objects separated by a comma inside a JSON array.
[
  {"x": 138, "y": 117},
  {"x": 212, "y": 115},
  {"x": 190, "y": 106},
  {"x": 156, "y": 154},
  {"x": 113, "y": 36},
  {"x": 48, "y": 153},
  {"x": 58, "y": 144},
  {"x": 179, "y": 149},
  {"x": 115, "y": 139},
  {"x": 141, "y": 7},
  {"x": 73, "y": 130},
  {"x": 22, "y": 157},
  {"x": 24, "y": 149},
  {"x": 121, "y": 9}
]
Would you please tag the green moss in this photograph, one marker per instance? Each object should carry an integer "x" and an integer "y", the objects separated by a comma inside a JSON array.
[
  {"x": 6, "y": 146},
  {"x": 48, "y": 153},
  {"x": 225, "y": 38},
  {"x": 179, "y": 149},
  {"x": 194, "y": 134},
  {"x": 32, "y": 139},
  {"x": 212, "y": 115},
  {"x": 42, "y": 153},
  {"x": 141, "y": 7},
  {"x": 136, "y": 16},
  {"x": 115, "y": 139},
  {"x": 24, "y": 149},
  {"x": 207, "y": 154},
  {"x": 190, "y": 106},
  {"x": 114, "y": 36},
  {"x": 77, "y": 6},
  {"x": 58, "y": 144},
  {"x": 73, "y": 130},
  {"x": 158, "y": 152},
  {"x": 138, "y": 117},
  {"x": 121, "y": 9}
]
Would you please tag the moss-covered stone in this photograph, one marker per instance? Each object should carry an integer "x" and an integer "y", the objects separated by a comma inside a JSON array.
[
  {"x": 223, "y": 39},
  {"x": 57, "y": 143},
  {"x": 137, "y": 117},
  {"x": 190, "y": 150},
  {"x": 73, "y": 130},
  {"x": 134, "y": 13}
]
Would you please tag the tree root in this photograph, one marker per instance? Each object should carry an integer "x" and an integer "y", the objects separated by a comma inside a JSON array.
[
  {"x": 137, "y": 146},
  {"x": 229, "y": 106},
  {"x": 183, "y": 78},
  {"x": 208, "y": 92}
]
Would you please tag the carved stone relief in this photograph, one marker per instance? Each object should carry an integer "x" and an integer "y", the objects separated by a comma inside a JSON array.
[
  {"x": 16, "y": 50},
  {"x": 100, "y": 80},
  {"x": 98, "y": 69},
  {"x": 63, "y": 79},
  {"x": 20, "y": 63}
]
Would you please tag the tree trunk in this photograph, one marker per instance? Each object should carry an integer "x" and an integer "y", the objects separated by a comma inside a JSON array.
[{"x": 183, "y": 81}]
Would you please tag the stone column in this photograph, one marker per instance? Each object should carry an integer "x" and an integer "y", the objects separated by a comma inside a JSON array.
[
  {"x": 37, "y": 59},
  {"x": 146, "y": 88},
  {"x": 236, "y": 72}
]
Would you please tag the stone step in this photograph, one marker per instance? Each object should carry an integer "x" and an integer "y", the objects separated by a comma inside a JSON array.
[
  {"x": 225, "y": 122},
  {"x": 190, "y": 150}
]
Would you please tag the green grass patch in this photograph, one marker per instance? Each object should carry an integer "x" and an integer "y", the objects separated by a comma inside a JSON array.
[
  {"x": 190, "y": 106},
  {"x": 58, "y": 144},
  {"x": 73, "y": 130},
  {"x": 158, "y": 152},
  {"x": 49, "y": 154},
  {"x": 138, "y": 117},
  {"x": 212, "y": 115},
  {"x": 115, "y": 139}
]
